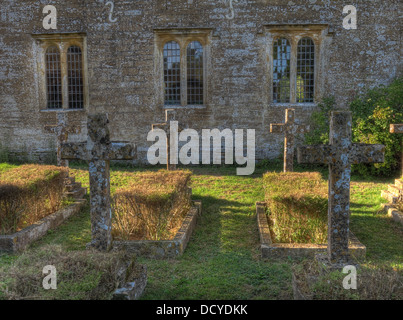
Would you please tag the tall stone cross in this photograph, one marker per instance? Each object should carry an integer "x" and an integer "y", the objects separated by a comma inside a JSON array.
[
  {"x": 171, "y": 142},
  {"x": 98, "y": 150},
  {"x": 290, "y": 129},
  {"x": 339, "y": 155},
  {"x": 397, "y": 128},
  {"x": 62, "y": 132}
]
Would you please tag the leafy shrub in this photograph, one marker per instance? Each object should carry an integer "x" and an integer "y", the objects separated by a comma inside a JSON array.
[
  {"x": 296, "y": 206},
  {"x": 372, "y": 115},
  {"x": 28, "y": 193},
  {"x": 319, "y": 124},
  {"x": 152, "y": 206}
]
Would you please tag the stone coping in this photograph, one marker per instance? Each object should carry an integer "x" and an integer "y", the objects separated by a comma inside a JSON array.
[
  {"x": 134, "y": 289},
  {"x": 164, "y": 249},
  {"x": 20, "y": 240},
  {"x": 394, "y": 213},
  {"x": 269, "y": 249}
]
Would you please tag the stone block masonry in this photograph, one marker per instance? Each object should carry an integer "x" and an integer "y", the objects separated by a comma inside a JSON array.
[{"x": 120, "y": 60}]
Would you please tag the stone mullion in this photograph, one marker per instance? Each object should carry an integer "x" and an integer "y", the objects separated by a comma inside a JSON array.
[
  {"x": 64, "y": 70},
  {"x": 183, "y": 73}
]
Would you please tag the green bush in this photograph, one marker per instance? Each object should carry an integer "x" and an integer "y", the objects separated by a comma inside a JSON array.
[
  {"x": 319, "y": 124},
  {"x": 373, "y": 113}
]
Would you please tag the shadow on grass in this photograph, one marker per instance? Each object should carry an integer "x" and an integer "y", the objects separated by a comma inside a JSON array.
[{"x": 382, "y": 237}]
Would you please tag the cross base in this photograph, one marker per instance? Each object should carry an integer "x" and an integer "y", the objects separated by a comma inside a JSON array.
[
  {"x": 327, "y": 266},
  {"x": 94, "y": 245}
]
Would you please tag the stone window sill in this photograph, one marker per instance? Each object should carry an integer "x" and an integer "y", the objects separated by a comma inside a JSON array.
[
  {"x": 189, "y": 106},
  {"x": 291, "y": 105},
  {"x": 62, "y": 110}
]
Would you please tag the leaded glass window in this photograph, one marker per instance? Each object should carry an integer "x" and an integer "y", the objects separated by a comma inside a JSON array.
[
  {"x": 75, "y": 77},
  {"x": 281, "y": 70},
  {"x": 172, "y": 74},
  {"x": 194, "y": 57},
  {"x": 305, "y": 70},
  {"x": 53, "y": 78}
]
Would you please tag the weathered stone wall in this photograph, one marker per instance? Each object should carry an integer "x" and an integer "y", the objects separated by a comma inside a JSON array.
[{"x": 120, "y": 63}]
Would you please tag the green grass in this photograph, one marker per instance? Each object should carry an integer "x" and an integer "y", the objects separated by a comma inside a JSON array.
[
  {"x": 6, "y": 166},
  {"x": 222, "y": 258}
]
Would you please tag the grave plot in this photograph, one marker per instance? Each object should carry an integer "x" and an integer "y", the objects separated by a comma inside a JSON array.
[
  {"x": 154, "y": 215},
  {"x": 293, "y": 219},
  {"x": 81, "y": 275},
  {"x": 32, "y": 201}
]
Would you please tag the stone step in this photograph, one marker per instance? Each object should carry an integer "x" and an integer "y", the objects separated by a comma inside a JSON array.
[
  {"x": 395, "y": 190},
  {"x": 391, "y": 198},
  {"x": 77, "y": 194},
  {"x": 399, "y": 183},
  {"x": 70, "y": 180},
  {"x": 72, "y": 187}
]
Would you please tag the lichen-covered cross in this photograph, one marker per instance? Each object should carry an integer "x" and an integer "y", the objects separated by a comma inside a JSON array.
[
  {"x": 171, "y": 142},
  {"x": 290, "y": 129},
  {"x": 397, "y": 128},
  {"x": 339, "y": 155},
  {"x": 62, "y": 131},
  {"x": 98, "y": 151}
]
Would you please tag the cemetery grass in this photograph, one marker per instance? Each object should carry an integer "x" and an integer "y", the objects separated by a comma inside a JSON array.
[{"x": 222, "y": 258}]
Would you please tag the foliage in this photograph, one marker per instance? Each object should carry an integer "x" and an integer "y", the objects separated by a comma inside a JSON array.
[
  {"x": 297, "y": 207},
  {"x": 372, "y": 115},
  {"x": 319, "y": 130},
  {"x": 28, "y": 193}
]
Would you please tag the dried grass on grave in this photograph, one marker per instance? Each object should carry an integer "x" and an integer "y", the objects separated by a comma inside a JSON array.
[
  {"x": 373, "y": 283},
  {"x": 297, "y": 207},
  {"x": 152, "y": 206},
  {"x": 81, "y": 275},
  {"x": 28, "y": 193}
]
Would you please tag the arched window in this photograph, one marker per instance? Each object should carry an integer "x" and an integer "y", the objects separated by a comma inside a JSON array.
[
  {"x": 53, "y": 78},
  {"x": 194, "y": 57},
  {"x": 172, "y": 76},
  {"x": 281, "y": 70},
  {"x": 305, "y": 70},
  {"x": 75, "y": 77}
]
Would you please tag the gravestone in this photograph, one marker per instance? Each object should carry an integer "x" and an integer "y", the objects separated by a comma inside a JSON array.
[
  {"x": 166, "y": 126},
  {"x": 290, "y": 129},
  {"x": 339, "y": 155},
  {"x": 62, "y": 131},
  {"x": 98, "y": 150}
]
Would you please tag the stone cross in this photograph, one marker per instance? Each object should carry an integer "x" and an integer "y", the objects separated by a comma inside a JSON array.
[
  {"x": 98, "y": 151},
  {"x": 62, "y": 132},
  {"x": 166, "y": 126},
  {"x": 290, "y": 129},
  {"x": 397, "y": 128},
  {"x": 339, "y": 155}
]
